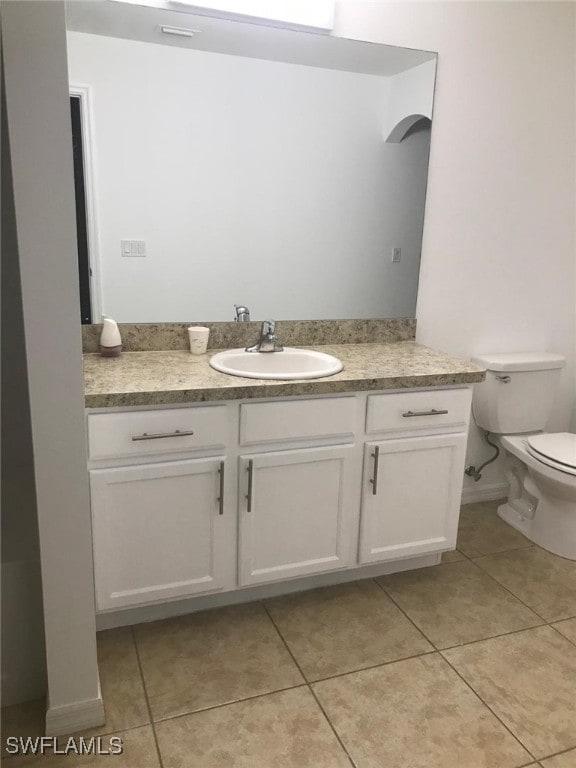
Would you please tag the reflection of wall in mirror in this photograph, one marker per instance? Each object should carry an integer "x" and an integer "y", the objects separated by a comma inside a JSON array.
[{"x": 249, "y": 180}]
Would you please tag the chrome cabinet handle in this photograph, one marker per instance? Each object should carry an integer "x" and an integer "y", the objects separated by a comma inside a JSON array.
[
  {"x": 162, "y": 435},
  {"x": 374, "y": 479},
  {"x": 504, "y": 379},
  {"x": 250, "y": 470},
  {"x": 432, "y": 412},
  {"x": 221, "y": 496}
]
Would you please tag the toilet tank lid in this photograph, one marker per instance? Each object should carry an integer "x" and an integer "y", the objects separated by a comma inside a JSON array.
[{"x": 520, "y": 361}]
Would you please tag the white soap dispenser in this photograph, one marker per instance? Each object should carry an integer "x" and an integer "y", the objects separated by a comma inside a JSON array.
[{"x": 110, "y": 339}]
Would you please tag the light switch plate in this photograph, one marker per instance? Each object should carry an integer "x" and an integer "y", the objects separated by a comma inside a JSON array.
[
  {"x": 396, "y": 255},
  {"x": 133, "y": 247}
]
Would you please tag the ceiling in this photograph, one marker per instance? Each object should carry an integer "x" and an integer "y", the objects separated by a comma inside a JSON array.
[{"x": 142, "y": 22}]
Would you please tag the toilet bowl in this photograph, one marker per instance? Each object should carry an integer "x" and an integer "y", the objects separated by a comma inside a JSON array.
[
  {"x": 514, "y": 403},
  {"x": 541, "y": 471}
]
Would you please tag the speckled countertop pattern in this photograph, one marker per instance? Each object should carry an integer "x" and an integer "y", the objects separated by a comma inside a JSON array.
[{"x": 176, "y": 376}]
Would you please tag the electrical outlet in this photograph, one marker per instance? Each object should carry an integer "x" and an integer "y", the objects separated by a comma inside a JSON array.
[
  {"x": 133, "y": 247},
  {"x": 396, "y": 255}
]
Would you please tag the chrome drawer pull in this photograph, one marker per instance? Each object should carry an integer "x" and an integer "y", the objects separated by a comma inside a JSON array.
[
  {"x": 250, "y": 470},
  {"x": 433, "y": 412},
  {"x": 374, "y": 480},
  {"x": 221, "y": 496},
  {"x": 161, "y": 435}
]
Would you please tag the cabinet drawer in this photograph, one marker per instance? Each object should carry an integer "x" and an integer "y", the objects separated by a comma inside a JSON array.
[
  {"x": 138, "y": 433},
  {"x": 410, "y": 411},
  {"x": 297, "y": 420}
]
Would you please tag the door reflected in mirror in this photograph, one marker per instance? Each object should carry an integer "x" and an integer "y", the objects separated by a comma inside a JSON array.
[{"x": 282, "y": 170}]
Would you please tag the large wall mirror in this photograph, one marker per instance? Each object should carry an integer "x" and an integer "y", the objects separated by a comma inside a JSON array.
[{"x": 244, "y": 164}]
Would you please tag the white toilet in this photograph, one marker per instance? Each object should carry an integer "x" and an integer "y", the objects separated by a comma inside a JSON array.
[{"x": 514, "y": 403}]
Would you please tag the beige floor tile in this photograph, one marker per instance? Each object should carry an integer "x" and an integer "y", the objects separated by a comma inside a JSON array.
[
  {"x": 121, "y": 682},
  {"x": 416, "y": 713},
  {"x": 545, "y": 582},
  {"x": 457, "y": 603},
  {"x": 454, "y": 556},
  {"x": 214, "y": 657},
  {"x": 529, "y": 680},
  {"x": 566, "y": 760},
  {"x": 568, "y": 629},
  {"x": 139, "y": 752},
  {"x": 344, "y": 628},
  {"x": 482, "y": 532},
  {"x": 281, "y": 730}
]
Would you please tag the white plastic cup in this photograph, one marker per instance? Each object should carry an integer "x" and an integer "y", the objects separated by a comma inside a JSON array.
[{"x": 198, "y": 335}]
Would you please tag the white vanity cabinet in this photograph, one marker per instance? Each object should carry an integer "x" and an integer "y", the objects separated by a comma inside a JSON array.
[
  {"x": 203, "y": 499},
  {"x": 412, "y": 481},
  {"x": 157, "y": 531},
  {"x": 297, "y": 511},
  {"x": 163, "y": 522},
  {"x": 411, "y": 496},
  {"x": 298, "y": 507}
]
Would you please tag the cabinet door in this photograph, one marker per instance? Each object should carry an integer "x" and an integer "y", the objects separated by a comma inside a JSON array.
[
  {"x": 411, "y": 496},
  {"x": 298, "y": 512},
  {"x": 158, "y": 532}
]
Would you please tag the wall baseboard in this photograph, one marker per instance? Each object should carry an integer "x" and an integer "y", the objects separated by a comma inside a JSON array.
[
  {"x": 78, "y": 716},
  {"x": 488, "y": 492}
]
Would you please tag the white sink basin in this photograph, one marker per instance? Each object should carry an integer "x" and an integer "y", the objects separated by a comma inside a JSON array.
[{"x": 291, "y": 363}]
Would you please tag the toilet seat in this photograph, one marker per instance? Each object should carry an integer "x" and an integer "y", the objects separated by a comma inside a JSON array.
[{"x": 557, "y": 450}]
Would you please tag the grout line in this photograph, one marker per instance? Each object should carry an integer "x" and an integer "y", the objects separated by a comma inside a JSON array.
[
  {"x": 468, "y": 685},
  {"x": 133, "y": 633},
  {"x": 531, "y": 545},
  {"x": 468, "y": 642},
  {"x": 373, "y": 666},
  {"x": 333, "y": 729},
  {"x": 475, "y": 558},
  {"x": 459, "y": 675},
  {"x": 482, "y": 639},
  {"x": 502, "y": 586},
  {"x": 492, "y": 637},
  {"x": 556, "y": 754},
  {"x": 404, "y": 612},
  {"x": 229, "y": 703},
  {"x": 320, "y": 706},
  {"x": 490, "y": 554},
  {"x": 561, "y": 633}
]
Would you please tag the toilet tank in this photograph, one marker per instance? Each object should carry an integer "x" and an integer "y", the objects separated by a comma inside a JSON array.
[{"x": 518, "y": 392}]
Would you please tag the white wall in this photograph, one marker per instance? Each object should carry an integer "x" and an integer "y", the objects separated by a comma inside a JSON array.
[
  {"x": 498, "y": 256},
  {"x": 254, "y": 182},
  {"x": 23, "y": 654},
  {"x": 411, "y": 94},
  {"x": 34, "y": 47}
]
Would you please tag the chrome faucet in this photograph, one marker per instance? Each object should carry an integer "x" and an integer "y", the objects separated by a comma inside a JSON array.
[
  {"x": 242, "y": 314},
  {"x": 268, "y": 341}
]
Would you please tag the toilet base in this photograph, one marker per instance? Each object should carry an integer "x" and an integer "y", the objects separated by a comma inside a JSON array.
[
  {"x": 515, "y": 518},
  {"x": 541, "y": 500},
  {"x": 541, "y": 509}
]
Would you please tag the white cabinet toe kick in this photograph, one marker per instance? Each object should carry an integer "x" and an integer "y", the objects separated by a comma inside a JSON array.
[{"x": 206, "y": 505}]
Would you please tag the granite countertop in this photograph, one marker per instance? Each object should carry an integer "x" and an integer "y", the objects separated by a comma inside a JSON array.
[{"x": 176, "y": 376}]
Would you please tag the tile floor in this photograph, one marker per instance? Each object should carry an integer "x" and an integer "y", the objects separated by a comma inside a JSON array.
[{"x": 469, "y": 664}]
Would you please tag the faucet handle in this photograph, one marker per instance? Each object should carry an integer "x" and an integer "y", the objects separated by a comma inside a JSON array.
[
  {"x": 268, "y": 328},
  {"x": 242, "y": 313}
]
